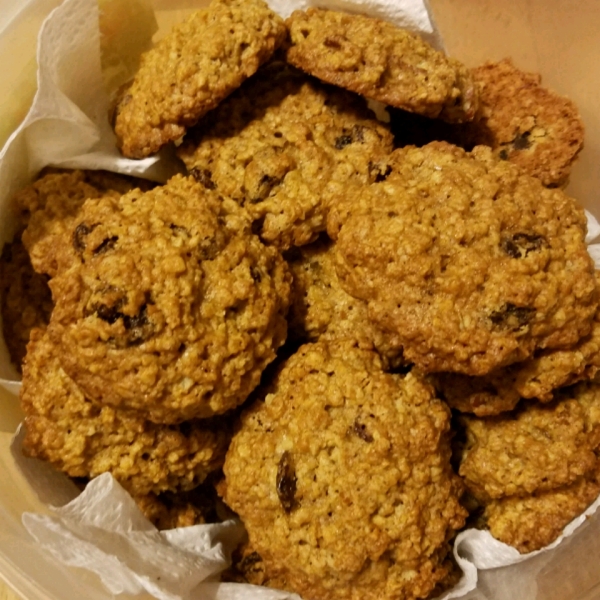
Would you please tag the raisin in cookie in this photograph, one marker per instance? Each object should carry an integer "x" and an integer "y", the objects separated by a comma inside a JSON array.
[
  {"x": 173, "y": 308},
  {"x": 277, "y": 144},
  {"x": 472, "y": 263},
  {"x": 342, "y": 478}
]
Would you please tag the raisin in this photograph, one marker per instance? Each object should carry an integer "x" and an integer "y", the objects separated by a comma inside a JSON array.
[
  {"x": 109, "y": 314},
  {"x": 360, "y": 429},
  {"x": 286, "y": 482},
  {"x": 521, "y": 244},
  {"x": 342, "y": 141},
  {"x": 521, "y": 141},
  {"x": 106, "y": 245},
  {"x": 81, "y": 232},
  {"x": 356, "y": 134},
  {"x": 265, "y": 185},
  {"x": 512, "y": 317},
  {"x": 203, "y": 176},
  {"x": 139, "y": 327}
]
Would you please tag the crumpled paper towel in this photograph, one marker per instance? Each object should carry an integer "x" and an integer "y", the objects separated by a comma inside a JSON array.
[{"x": 101, "y": 529}]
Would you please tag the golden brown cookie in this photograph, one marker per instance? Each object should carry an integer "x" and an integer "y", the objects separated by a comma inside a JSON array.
[
  {"x": 84, "y": 439},
  {"x": 531, "y": 522},
  {"x": 472, "y": 263},
  {"x": 380, "y": 61},
  {"x": 526, "y": 123},
  {"x": 194, "y": 67},
  {"x": 342, "y": 478},
  {"x": 276, "y": 144},
  {"x": 26, "y": 299},
  {"x": 173, "y": 308},
  {"x": 537, "y": 377},
  {"x": 534, "y": 449}
]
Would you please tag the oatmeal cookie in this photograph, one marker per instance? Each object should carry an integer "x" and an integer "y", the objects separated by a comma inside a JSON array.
[
  {"x": 276, "y": 143},
  {"x": 526, "y": 123},
  {"x": 48, "y": 208},
  {"x": 537, "y": 448},
  {"x": 321, "y": 308},
  {"x": 26, "y": 299},
  {"x": 380, "y": 61},
  {"x": 537, "y": 377},
  {"x": 342, "y": 478},
  {"x": 198, "y": 64},
  {"x": 173, "y": 308},
  {"x": 474, "y": 264},
  {"x": 531, "y": 522},
  {"x": 84, "y": 439}
]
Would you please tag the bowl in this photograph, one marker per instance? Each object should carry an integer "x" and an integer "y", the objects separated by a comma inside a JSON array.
[{"x": 555, "y": 38}]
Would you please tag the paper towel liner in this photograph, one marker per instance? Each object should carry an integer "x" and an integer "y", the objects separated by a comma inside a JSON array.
[{"x": 102, "y": 529}]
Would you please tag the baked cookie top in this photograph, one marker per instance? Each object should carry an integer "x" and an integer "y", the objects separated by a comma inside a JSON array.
[
  {"x": 380, "y": 61},
  {"x": 474, "y": 264},
  {"x": 320, "y": 307},
  {"x": 531, "y": 522},
  {"x": 85, "y": 439},
  {"x": 342, "y": 478},
  {"x": 275, "y": 145},
  {"x": 193, "y": 68},
  {"x": 538, "y": 377},
  {"x": 536, "y": 448},
  {"x": 526, "y": 123},
  {"x": 173, "y": 308}
]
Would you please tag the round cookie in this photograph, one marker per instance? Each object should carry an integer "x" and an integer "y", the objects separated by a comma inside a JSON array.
[
  {"x": 275, "y": 146},
  {"x": 342, "y": 478},
  {"x": 380, "y": 61},
  {"x": 174, "y": 307},
  {"x": 534, "y": 449},
  {"x": 525, "y": 123},
  {"x": 83, "y": 439},
  {"x": 472, "y": 263},
  {"x": 195, "y": 66}
]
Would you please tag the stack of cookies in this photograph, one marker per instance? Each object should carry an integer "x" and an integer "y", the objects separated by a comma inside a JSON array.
[{"x": 362, "y": 336}]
